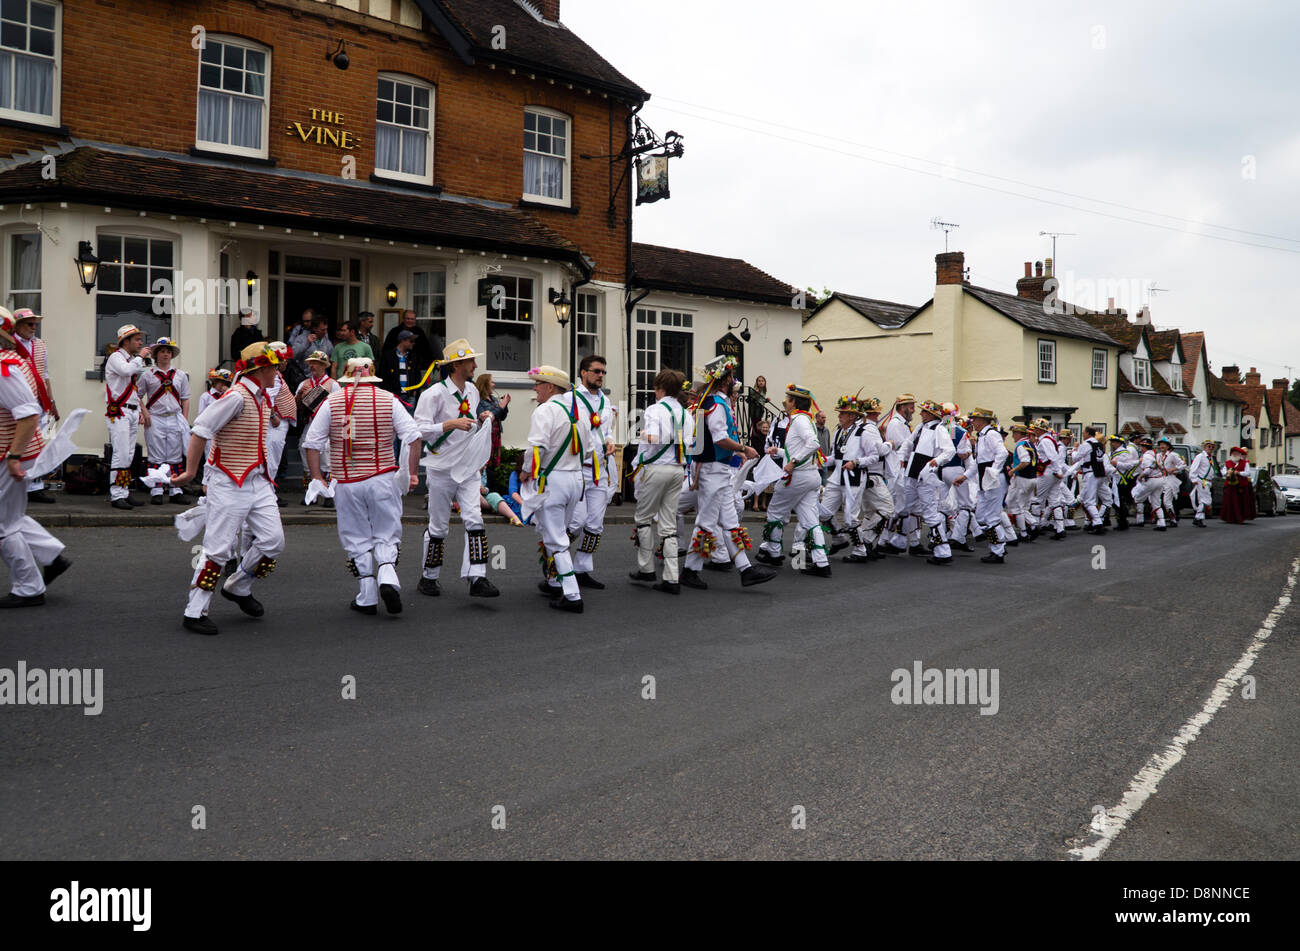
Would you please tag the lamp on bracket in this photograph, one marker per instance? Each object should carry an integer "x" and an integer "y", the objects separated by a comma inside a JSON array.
[
  {"x": 390, "y": 293},
  {"x": 817, "y": 342},
  {"x": 338, "y": 56},
  {"x": 745, "y": 335},
  {"x": 87, "y": 265},
  {"x": 563, "y": 306}
]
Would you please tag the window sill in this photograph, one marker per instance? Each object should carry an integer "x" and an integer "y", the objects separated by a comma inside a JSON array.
[
  {"x": 547, "y": 206},
  {"x": 378, "y": 179},
  {"x": 9, "y": 123},
  {"x": 231, "y": 157}
]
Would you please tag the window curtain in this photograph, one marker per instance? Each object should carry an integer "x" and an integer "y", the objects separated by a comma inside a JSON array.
[
  {"x": 34, "y": 85},
  {"x": 388, "y": 141},
  {"x": 413, "y": 146},
  {"x": 26, "y": 273},
  {"x": 543, "y": 175},
  {"x": 246, "y": 122},
  {"x": 214, "y": 117}
]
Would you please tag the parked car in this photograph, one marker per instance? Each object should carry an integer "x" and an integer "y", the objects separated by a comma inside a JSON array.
[
  {"x": 1270, "y": 498},
  {"x": 1184, "y": 501}
]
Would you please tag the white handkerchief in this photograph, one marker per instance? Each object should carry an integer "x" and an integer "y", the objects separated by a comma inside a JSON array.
[
  {"x": 59, "y": 448},
  {"x": 475, "y": 455},
  {"x": 766, "y": 473},
  {"x": 317, "y": 489},
  {"x": 161, "y": 476},
  {"x": 191, "y": 523},
  {"x": 739, "y": 475}
]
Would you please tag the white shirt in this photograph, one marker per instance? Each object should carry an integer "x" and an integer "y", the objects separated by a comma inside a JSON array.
[
  {"x": 438, "y": 404},
  {"x": 1125, "y": 457},
  {"x": 1147, "y": 465},
  {"x": 871, "y": 448},
  {"x": 318, "y": 433},
  {"x": 119, "y": 371},
  {"x": 169, "y": 405},
  {"x": 1052, "y": 453},
  {"x": 899, "y": 434},
  {"x": 18, "y": 398},
  {"x": 1201, "y": 466},
  {"x": 550, "y": 430},
  {"x": 990, "y": 448},
  {"x": 801, "y": 443},
  {"x": 663, "y": 424},
  {"x": 931, "y": 440},
  {"x": 1172, "y": 463}
]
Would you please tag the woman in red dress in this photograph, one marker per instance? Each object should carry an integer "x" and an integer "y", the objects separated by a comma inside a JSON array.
[{"x": 1238, "y": 493}]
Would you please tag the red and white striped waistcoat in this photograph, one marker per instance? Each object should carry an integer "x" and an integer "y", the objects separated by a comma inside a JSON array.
[
  {"x": 361, "y": 432},
  {"x": 239, "y": 449},
  {"x": 13, "y": 363},
  {"x": 36, "y": 359},
  {"x": 285, "y": 407}
]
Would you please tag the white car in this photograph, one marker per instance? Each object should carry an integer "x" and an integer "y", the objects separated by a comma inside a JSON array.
[{"x": 1290, "y": 485}]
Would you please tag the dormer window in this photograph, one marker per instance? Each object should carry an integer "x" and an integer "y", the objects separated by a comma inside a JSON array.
[{"x": 1142, "y": 374}]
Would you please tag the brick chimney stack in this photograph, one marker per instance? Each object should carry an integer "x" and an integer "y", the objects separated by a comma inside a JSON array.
[
  {"x": 950, "y": 267},
  {"x": 1231, "y": 374},
  {"x": 1252, "y": 378},
  {"x": 1282, "y": 384},
  {"x": 1030, "y": 287},
  {"x": 550, "y": 9}
]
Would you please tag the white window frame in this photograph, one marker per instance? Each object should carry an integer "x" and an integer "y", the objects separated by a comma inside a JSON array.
[
  {"x": 530, "y": 322},
  {"x": 587, "y": 309},
  {"x": 39, "y": 118},
  {"x": 11, "y": 291},
  {"x": 1196, "y": 413},
  {"x": 1051, "y": 378},
  {"x": 1104, "y": 368},
  {"x": 1214, "y": 413},
  {"x": 222, "y": 147},
  {"x": 426, "y": 320},
  {"x": 427, "y": 177},
  {"x": 124, "y": 235},
  {"x": 1176, "y": 377},
  {"x": 1142, "y": 374},
  {"x": 567, "y": 200}
]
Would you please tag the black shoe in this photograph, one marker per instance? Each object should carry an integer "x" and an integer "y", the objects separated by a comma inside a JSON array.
[
  {"x": 585, "y": 580},
  {"x": 856, "y": 559},
  {"x": 963, "y": 546},
  {"x": 480, "y": 588},
  {"x": 889, "y": 548},
  {"x": 668, "y": 587},
  {"x": 329, "y": 503},
  {"x": 643, "y": 576},
  {"x": 939, "y": 561},
  {"x": 180, "y": 499},
  {"x": 763, "y": 558},
  {"x": 392, "y": 597},
  {"x": 692, "y": 579},
  {"x": 755, "y": 574},
  {"x": 430, "y": 587},
  {"x": 122, "y": 504},
  {"x": 133, "y": 503},
  {"x": 247, "y": 603},
  {"x": 364, "y": 608},
  {"x": 718, "y": 566},
  {"x": 1099, "y": 530},
  {"x": 1013, "y": 543},
  {"x": 920, "y": 551},
  {"x": 1057, "y": 536},
  {"x": 55, "y": 568},
  {"x": 1071, "y": 527},
  {"x": 40, "y": 495},
  {"x": 817, "y": 571},
  {"x": 1160, "y": 528},
  {"x": 199, "y": 625},
  {"x": 158, "y": 499},
  {"x": 839, "y": 546},
  {"x": 992, "y": 559},
  {"x": 22, "y": 601},
  {"x": 564, "y": 604},
  {"x": 1199, "y": 523},
  {"x": 551, "y": 591},
  {"x": 1122, "y": 527}
]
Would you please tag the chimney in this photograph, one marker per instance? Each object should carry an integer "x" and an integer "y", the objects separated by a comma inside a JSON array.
[
  {"x": 550, "y": 9},
  {"x": 1047, "y": 267},
  {"x": 1030, "y": 287},
  {"x": 1142, "y": 317},
  {"x": 1252, "y": 378},
  {"x": 1231, "y": 374},
  {"x": 1029, "y": 269},
  {"x": 950, "y": 267},
  {"x": 1282, "y": 384}
]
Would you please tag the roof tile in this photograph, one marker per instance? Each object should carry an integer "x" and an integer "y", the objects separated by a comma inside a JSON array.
[
  {"x": 690, "y": 272},
  {"x": 1032, "y": 314}
]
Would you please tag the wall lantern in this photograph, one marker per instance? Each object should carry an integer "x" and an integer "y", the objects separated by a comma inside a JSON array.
[
  {"x": 87, "y": 265},
  {"x": 391, "y": 291},
  {"x": 338, "y": 56},
  {"x": 744, "y": 334},
  {"x": 251, "y": 280},
  {"x": 818, "y": 344},
  {"x": 563, "y": 306},
  {"x": 789, "y": 346}
]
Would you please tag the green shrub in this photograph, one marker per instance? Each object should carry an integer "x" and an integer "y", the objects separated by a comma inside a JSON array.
[{"x": 499, "y": 475}]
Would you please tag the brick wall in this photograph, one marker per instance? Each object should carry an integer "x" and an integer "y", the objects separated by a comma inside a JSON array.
[{"x": 130, "y": 76}]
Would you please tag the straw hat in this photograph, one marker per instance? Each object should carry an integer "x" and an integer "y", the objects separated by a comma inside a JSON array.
[
  {"x": 869, "y": 405},
  {"x": 904, "y": 398},
  {"x": 169, "y": 344},
  {"x": 718, "y": 367},
  {"x": 982, "y": 413},
  {"x": 26, "y": 313},
  {"x": 318, "y": 356},
  {"x": 797, "y": 391},
  {"x": 127, "y": 330},
  {"x": 933, "y": 407},
  {"x": 550, "y": 374},
  {"x": 458, "y": 350},
  {"x": 257, "y": 355},
  {"x": 220, "y": 375},
  {"x": 849, "y": 404},
  {"x": 359, "y": 370},
  {"x": 6, "y": 325}
]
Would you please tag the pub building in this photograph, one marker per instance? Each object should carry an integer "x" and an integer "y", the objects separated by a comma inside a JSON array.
[{"x": 452, "y": 157}]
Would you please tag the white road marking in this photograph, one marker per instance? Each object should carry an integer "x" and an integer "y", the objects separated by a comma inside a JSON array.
[{"x": 1149, "y": 776}]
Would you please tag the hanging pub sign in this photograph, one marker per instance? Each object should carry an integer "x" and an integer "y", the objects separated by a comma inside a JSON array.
[
  {"x": 732, "y": 346},
  {"x": 651, "y": 178}
]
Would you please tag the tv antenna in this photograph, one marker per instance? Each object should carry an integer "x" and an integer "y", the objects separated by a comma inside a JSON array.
[
  {"x": 945, "y": 227},
  {"x": 1054, "y": 235}
]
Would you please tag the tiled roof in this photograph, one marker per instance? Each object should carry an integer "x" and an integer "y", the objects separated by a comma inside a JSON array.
[
  {"x": 1275, "y": 399},
  {"x": 1218, "y": 390},
  {"x": 1132, "y": 429},
  {"x": 1162, "y": 343},
  {"x": 1156, "y": 422},
  {"x": 178, "y": 185},
  {"x": 1292, "y": 419},
  {"x": 1173, "y": 426},
  {"x": 1252, "y": 397},
  {"x": 1193, "y": 348},
  {"x": 882, "y": 313},
  {"x": 1117, "y": 327},
  {"x": 1031, "y": 314},
  {"x": 689, "y": 272},
  {"x": 1158, "y": 385},
  {"x": 545, "y": 48}
]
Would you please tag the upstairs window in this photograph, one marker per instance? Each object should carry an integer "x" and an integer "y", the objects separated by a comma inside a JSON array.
[
  {"x": 1047, "y": 361},
  {"x": 1142, "y": 374},
  {"x": 29, "y": 61},
  {"x": 587, "y": 316},
  {"x": 233, "y": 97},
  {"x": 404, "y": 130},
  {"x": 1098, "y": 369},
  {"x": 546, "y": 156}
]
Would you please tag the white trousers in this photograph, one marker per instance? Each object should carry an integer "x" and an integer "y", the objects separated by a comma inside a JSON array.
[
  {"x": 443, "y": 490},
  {"x": 842, "y": 502},
  {"x": 658, "y": 488},
  {"x": 799, "y": 497},
  {"x": 875, "y": 509},
  {"x": 276, "y": 437},
  {"x": 231, "y": 508},
  {"x": 1051, "y": 495},
  {"x": 715, "y": 516},
  {"x": 165, "y": 440},
  {"x": 25, "y": 546},
  {"x": 1151, "y": 489},
  {"x": 587, "y": 523},
  {"x": 1169, "y": 495},
  {"x": 688, "y": 501},
  {"x": 988, "y": 514},
  {"x": 1201, "y": 497},
  {"x": 923, "y": 492},
  {"x": 370, "y": 531},
  {"x": 552, "y": 518},
  {"x": 121, "y": 437}
]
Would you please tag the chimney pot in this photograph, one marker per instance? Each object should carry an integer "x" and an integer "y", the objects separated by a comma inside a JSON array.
[
  {"x": 1029, "y": 269},
  {"x": 1231, "y": 374},
  {"x": 1252, "y": 378},
  {"x": 1110, "y": 305},
  {"x": 950, "y": 267},
  {"x": 1038, "y": 269},
  {"x": 1047, "y": 267},
  {"x": 1283, "y": 384}
]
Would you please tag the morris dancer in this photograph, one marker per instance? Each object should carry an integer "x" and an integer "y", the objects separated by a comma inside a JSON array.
[
  {"x": 897, "y": 432},
  {"x": 666, "y": 440},
  {"x": 1051, "y": 493},
  {"x": 240, "y": 490},
  {"x": 123, "y": 366},
  {"x": 990, "y": 462},
  {"x": 928, "y": 448},
  {"x": 32, "y": 349},
  {"x": 1171, "y": 463},
  {"x": 1124, "y": 458},
  {"x": 875, "y": 504},
  {"x": 841, "y": 495},
  {"x": 797, "y": 492},
  {"x": 359, "y": 422},
  {"x": 1150, "y": 484},
  {"x": 1200, "y": 472},
  {"x": 597, "y": 417},
  {"x": 310, "y": 397},
  {"x": 1091, "y": 459},
  {"x": 1022, "y": 466},
  {"x": 166, "y": 394}
]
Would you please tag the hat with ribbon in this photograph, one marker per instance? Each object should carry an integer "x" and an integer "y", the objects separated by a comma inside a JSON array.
[
  {"x": 848, "y": 404},
  {"x": 317, "y": 356},
  {"x": 904, "y": 398},
  {"x": 26, "y": 313},
  {"x": 979, "y": 412},
  {"x": 458, "y": 350},
  {"x": 933, "y": 407},
  {"x": 359, "y": 370},
  {"x": 552, "y": 375},
  {"x": 1114, "y": 437},
  {"x": 220, "y": 375},
  {"x": 718, "y": 367},
  {"x": 169, "y": 344},
  {"x": 1208, "y": 442},
  {"x": 798, "y": 392},
  {"x": 7, "y": 325},
  {"x": 869, "y": 405},
  {"x": 258, "y": 355},
  {"x": 1164, "y": 439},
  {"x": 1044, "y": 424},
  {"x": 127, "y": 330},
  {"x": 1019, "y": 428}
]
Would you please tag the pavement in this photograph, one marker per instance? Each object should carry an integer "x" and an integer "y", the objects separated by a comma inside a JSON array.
[{"x": 501, "y": 729}]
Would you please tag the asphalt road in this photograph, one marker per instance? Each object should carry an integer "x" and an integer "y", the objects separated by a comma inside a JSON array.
[{"x": 766, "y": 700}]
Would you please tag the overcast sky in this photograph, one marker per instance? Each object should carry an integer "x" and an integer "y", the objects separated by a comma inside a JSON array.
[{"x": 798, "y": 116}]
